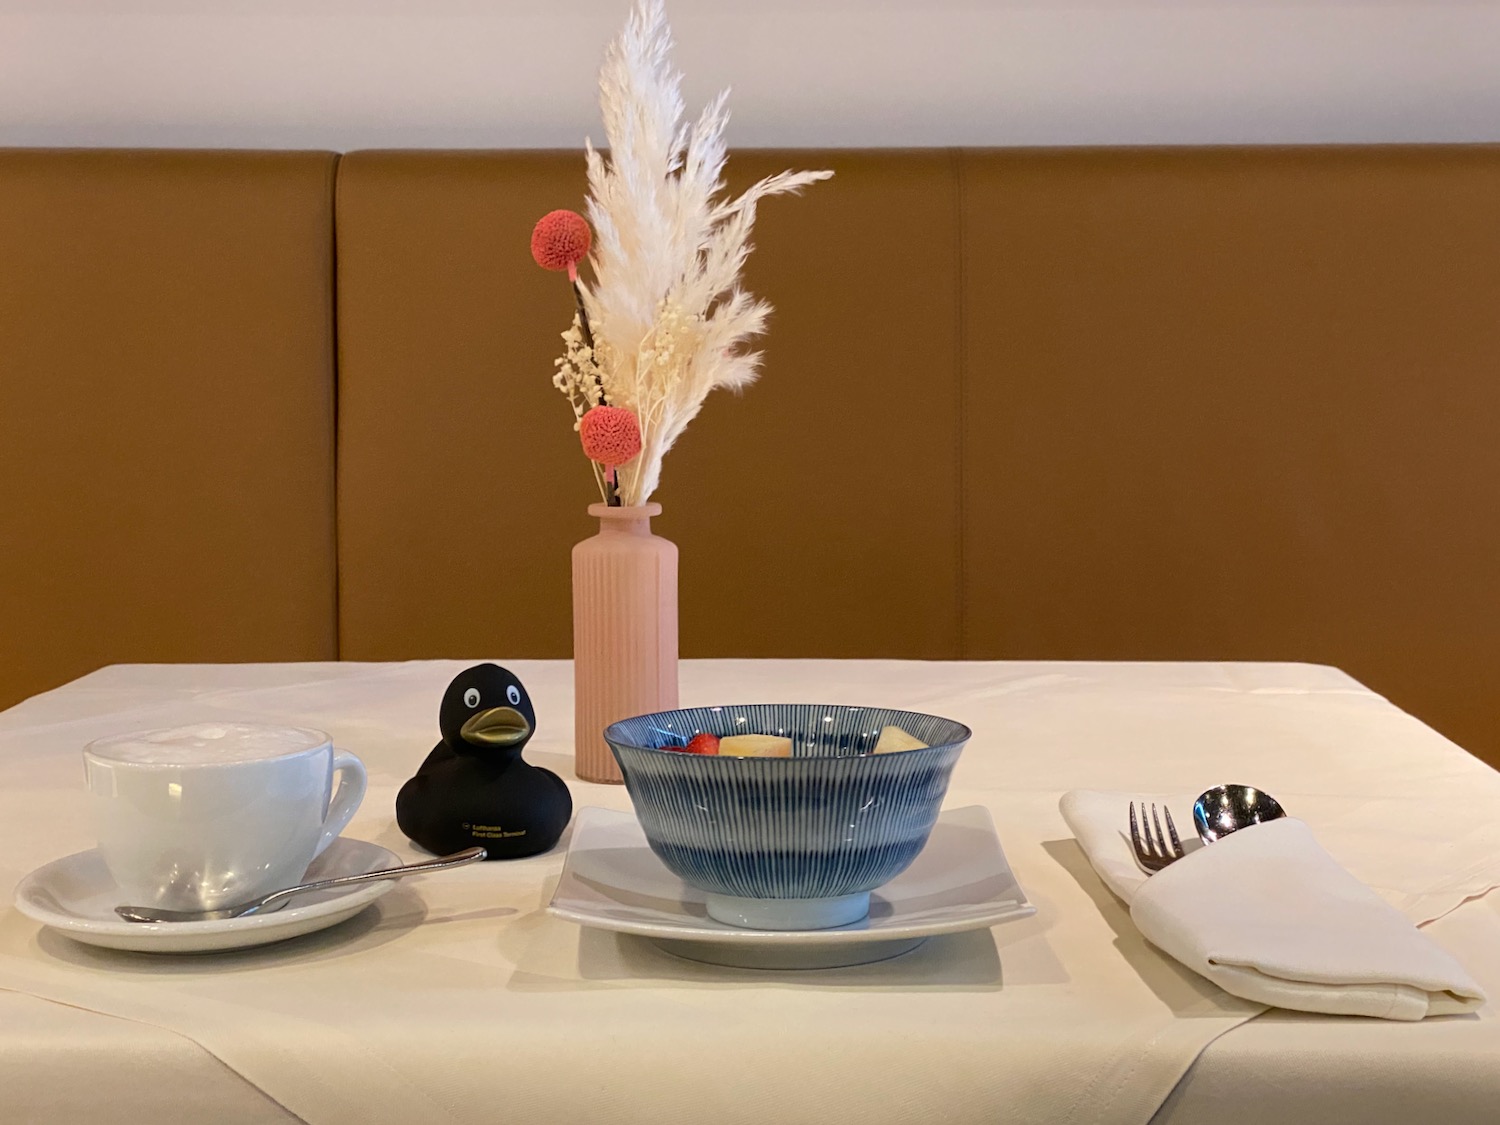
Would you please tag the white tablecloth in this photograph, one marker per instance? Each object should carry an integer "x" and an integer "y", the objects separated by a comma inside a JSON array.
[{"x": 457, "y": 1000}]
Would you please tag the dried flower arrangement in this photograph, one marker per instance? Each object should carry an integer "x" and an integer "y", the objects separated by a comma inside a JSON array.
[{"x": 665, "y": 320}]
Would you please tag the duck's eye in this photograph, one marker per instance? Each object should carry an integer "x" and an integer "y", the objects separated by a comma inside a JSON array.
[
  {"x": 471, "y": 697},
  {"x": 513, "y": 694}
]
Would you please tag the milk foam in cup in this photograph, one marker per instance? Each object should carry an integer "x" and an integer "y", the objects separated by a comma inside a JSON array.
[{"x": 206, "y": 816}]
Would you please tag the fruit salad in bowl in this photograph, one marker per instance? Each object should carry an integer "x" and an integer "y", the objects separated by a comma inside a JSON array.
[{"x": 787, "y": 816}]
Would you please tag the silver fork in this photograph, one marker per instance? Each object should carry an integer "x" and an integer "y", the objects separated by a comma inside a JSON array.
[{"x": 1153, "y": 853}]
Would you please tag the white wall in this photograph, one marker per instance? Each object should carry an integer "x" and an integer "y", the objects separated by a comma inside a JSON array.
[{"x": 354, "y": 73}]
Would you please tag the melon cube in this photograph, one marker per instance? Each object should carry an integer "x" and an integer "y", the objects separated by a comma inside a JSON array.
[
  {"x": 894, "y": 738},
  {"x": 755, "y": 746}
]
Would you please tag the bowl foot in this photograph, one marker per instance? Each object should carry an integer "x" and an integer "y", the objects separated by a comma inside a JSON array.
[
  {"x": 788, "y": 913},
  {"x": 787, "y": 956}
]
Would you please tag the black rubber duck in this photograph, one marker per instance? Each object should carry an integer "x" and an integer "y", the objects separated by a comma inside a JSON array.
[{"x": 474, "y": 790}]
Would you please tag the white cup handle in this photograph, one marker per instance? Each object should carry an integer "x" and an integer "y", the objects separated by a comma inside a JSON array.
[{"x": 350, "y": 772}]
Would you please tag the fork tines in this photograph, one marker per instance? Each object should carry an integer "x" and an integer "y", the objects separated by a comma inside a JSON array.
[{"x": 1153, "y": 852}]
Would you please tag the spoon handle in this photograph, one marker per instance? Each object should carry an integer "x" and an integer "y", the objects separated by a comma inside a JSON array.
[{"x": 457, "y": 859}]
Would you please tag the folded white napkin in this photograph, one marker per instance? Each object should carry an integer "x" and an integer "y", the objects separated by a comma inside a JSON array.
[{"x": 1268, "y": 915}]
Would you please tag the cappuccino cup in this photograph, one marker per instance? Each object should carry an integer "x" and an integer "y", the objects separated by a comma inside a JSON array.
[{"x": 206, "y": 816}]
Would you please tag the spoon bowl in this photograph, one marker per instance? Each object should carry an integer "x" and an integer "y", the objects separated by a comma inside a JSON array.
[{"x": 1228, "y": 808}]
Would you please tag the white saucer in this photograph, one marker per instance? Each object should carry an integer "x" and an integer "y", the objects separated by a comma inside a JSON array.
[
  {"x": 76, "y": 896},
  {"x": 960, "y": 881}
]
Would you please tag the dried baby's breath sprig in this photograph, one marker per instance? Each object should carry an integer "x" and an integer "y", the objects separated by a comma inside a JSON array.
[
  {"x": 579, "y": 378},
  {"x": 578, "y": 375},
  {"x": 663, "y": 364}
]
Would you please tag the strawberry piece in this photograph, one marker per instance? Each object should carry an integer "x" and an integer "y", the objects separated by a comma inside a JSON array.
[{"x": 704, "y": 743}]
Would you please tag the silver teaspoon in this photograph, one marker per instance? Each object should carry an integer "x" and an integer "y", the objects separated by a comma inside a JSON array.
[
  {"x": 1228, "y": 808},
  {"x": 276, "y": 898}
]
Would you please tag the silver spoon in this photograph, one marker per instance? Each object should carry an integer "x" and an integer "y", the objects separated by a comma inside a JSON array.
[
  {"x": 1228, "y": 808},
  {"x": 276, "y": 898}
]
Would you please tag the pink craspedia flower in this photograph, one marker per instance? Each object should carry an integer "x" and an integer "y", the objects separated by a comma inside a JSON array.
[
  {"x": 611, "y": 435},
  {"x": 560, "y": 240}
]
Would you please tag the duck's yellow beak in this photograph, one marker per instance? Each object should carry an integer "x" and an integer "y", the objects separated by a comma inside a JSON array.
[{"x": 496, "y": 726}]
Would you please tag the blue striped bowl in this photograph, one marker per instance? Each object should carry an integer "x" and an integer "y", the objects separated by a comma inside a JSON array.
[{"x": 787, "y": 843}]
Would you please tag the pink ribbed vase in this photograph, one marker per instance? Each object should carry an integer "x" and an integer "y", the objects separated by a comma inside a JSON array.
[{"x": 624, "y": 630}]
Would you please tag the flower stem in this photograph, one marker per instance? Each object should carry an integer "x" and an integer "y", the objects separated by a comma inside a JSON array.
[{"x": 588, "y": 337}]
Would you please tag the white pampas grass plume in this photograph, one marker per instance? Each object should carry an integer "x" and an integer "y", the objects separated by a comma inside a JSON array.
[{"x": 666, "y": 304}]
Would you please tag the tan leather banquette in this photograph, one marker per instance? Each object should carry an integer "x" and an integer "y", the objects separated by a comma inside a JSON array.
[{"x": 1234, "y": 404}]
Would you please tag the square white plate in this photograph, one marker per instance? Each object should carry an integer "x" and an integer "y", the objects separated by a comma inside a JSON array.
[{"x": 960, "y": 881}]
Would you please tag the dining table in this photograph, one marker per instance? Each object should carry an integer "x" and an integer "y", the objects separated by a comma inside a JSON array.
[{"x": 456, "y": 998}]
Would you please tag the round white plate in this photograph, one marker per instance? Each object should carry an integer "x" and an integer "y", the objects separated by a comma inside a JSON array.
[
  {"x": 76, "y": 897},
  {"x": 960, "y": 881}
]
